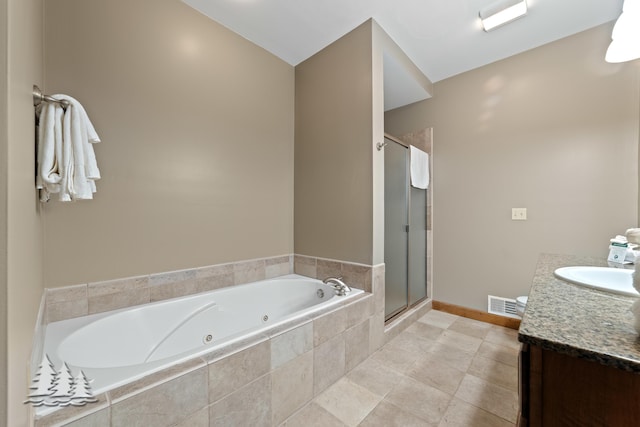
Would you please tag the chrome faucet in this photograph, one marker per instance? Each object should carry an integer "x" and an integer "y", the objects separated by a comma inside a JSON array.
[{"x": 337, "y": 284}]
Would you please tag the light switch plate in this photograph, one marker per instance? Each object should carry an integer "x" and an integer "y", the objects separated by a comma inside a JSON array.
[{"x": 519, "y": 214}]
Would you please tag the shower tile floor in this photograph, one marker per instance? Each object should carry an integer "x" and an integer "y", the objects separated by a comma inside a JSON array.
[{"x": 444, "y": 370}]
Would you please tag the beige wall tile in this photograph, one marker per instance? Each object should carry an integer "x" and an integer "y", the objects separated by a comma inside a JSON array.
[
  {"x": 377, "y": 288},
  {"x": 329, "y": 325},
  {"x": 292, "y": 387},
  {"x": 67, "y": 293},
  {"x": 327, "y": 268},
  {"x": 248, "y": 271},
  {"x": 168, "y": 374},
  {"x": 248, "y": 406},
  {"x": 96, "y": 289},
  {"x": 357, "y": 276},
  {"x": 376, "y": 332},
  {"x": 237, "y": 370},
  {"x": 101, "y": 418},
  {"x": 328, "y": 363},
  {"x": 214, "y": 270},
  {"x": 128, "y": 298},
  {"x": 199, "y": 419},
  {"x": 161, "y": 292},
  {"x": 66, "y": 310},
  {"x": 92, "y": 412},
  {"x": 291, "y": 344},
  {"x": 305, "y": 266},
  {"x": 278, "y": 266},
  {"x": 356, "y": 341},
  {"x": 166, "y": 404},
  {"x": 359, "y": 310},
  {"x": 206, "y": 284}
]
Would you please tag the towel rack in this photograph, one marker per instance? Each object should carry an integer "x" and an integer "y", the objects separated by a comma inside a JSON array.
[{"x": 39, "y": 98}]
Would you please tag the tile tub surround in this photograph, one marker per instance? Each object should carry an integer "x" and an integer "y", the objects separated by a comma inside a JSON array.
[
  {"x": 578, "y": 321},
  {"x": 97, "y": 297},
  {"x": 308, "y": 357},
  {"x": 278, "y": 372}
]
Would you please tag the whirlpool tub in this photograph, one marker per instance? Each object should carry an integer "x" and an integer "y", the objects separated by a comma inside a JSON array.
[{"x": 118, "y": 347}]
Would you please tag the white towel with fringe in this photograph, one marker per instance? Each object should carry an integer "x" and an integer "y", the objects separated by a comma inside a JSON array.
[
  {"x": 49, "y": 150},
  {"x": 419, "y": 166}
]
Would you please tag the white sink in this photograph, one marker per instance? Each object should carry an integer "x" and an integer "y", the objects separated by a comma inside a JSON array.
[{"x": 615, "y": 280}]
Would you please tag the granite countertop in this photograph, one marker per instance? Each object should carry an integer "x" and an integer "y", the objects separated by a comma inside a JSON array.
[{"x": 579, "y": 321}]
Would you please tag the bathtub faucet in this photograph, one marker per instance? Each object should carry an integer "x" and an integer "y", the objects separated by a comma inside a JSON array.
[{"x": 337, "y": 284}]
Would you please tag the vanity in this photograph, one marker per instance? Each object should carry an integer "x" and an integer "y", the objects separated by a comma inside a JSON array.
[{"x": 580, "y": 355}]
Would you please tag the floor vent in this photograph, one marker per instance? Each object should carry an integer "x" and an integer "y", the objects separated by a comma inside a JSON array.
[{"x": 503, "y": 307}]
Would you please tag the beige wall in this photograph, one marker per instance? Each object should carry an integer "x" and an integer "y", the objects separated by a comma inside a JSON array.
[
  {"x": 4, "y": 141},
  {"x": 555, "y": 130},
  {"x": 23, "y": 222},
  {"x": 197, "y": 155},
  {"x": 333, "y": 150}
]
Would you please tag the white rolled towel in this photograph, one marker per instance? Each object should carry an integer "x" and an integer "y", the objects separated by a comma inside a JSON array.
[
  {"x": 633, "y": 235},
  {"x": 635, "y": 309}
]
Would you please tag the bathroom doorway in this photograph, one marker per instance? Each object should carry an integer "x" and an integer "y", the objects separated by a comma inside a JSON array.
[{"x": 405, "y": 231}]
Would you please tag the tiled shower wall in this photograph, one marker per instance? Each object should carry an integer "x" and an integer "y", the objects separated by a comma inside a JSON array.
[{"x": 278, "y": 373}]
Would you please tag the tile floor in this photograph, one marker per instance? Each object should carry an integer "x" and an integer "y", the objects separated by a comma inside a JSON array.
[{"x": 443, "y": 370}]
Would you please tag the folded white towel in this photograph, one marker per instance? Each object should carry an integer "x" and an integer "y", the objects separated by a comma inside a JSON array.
[
  {"x": 49, "y": 150},
  {"x": 78, "y": 161},
  {"x": 419, "y": 165}
]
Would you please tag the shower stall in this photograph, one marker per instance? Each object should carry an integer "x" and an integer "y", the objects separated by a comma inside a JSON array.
[{"x": 405, "y": 232}]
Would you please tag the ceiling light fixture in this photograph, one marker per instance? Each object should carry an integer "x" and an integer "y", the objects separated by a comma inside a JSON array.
[
  {"x": 502, "y": 12},
  {"x": 625, "y": 45}
]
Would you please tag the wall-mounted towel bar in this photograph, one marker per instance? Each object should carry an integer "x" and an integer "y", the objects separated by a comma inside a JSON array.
[{"x": 39, "y": 98}]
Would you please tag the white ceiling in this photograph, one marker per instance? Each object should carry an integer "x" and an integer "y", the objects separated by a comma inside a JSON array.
[{"x": 442, "y": 37}]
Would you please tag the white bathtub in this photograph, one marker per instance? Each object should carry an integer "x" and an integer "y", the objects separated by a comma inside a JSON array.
[{"x": 118, "y": 347}]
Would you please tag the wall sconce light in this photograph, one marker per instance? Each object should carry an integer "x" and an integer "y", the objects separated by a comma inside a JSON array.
[
  {"x": 625, "y": 44},
  {"x": 502, "y": 12}
]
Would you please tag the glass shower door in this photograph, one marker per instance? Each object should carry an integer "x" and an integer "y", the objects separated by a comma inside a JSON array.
[
  {"x": 396, "y": 241},
  {"x": 417, "y": 245}
]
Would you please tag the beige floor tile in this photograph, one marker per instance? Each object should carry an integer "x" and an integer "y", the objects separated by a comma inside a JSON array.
[
  {"x": 503, "y": 336},
  {"x": 409, "y": 342},
  {"x": 389, "y": 415},
  {"x": 425, "y": 330},
  {"x": 471, "y": 327},
  {"x": 422, "y": 400},
  {"x": 495, "y": 372},
  {"x": 396, "y": 359},
  {"x": 490, "y": 397},
  {"x": 438, "y": 318},
  {"x": 313, "y": 415},
  {"x": 437, "y": 373},
  {"x": 348, "y": 401},
  {"x": 500, "y": 353},
  {"x": 462, "y": 414},
  {"x": 375, "y": 377},
  {"x": 452, "y": 356},
  {"x": 460, "y": 341}
]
